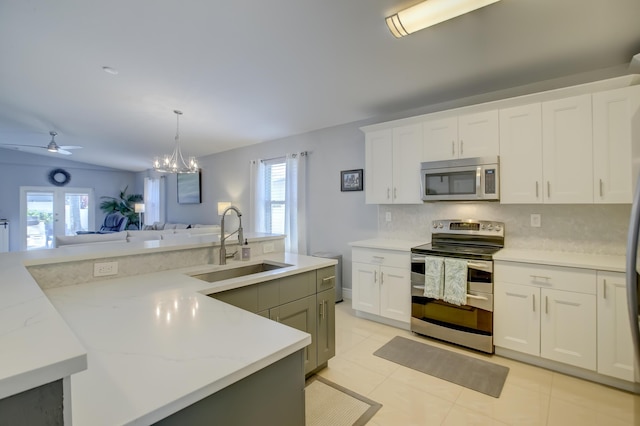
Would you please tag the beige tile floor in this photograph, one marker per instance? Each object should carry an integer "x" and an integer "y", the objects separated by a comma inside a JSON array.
[{"x": 531, "y": 395}]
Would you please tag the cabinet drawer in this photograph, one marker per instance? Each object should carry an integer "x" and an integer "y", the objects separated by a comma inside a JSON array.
[
  {"x": 543, "y": 276},
  {"x": 398, "y": 259},
  {"x": 325, "y": 278}
]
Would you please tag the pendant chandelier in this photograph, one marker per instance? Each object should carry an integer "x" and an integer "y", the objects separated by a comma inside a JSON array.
[{"x": 175, "y": 163}]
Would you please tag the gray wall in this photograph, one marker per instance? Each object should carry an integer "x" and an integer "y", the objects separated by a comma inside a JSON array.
[
  {"x": 334, "y": 218},
  {"x": 22, "y": 169}
]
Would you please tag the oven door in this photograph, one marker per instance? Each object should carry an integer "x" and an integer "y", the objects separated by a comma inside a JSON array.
[{"x": 479, "y": 281}]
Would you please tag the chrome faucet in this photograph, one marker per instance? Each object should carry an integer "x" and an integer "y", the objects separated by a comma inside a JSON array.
[{"x": 223, "y": 250}]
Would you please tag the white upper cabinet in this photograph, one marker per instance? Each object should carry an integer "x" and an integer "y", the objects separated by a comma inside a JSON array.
[
  {"x": 478, "y": 134},
  {"x": 464, "y": 136},
  {"x": 440, "y": 139},
  {"x": 567, "y": 150},
  {"x": 379, "y": 169},
  {"x": 521, "y": 155},
  {"x": 392, "y": 158},
  {"x": 614, "y": 148}
]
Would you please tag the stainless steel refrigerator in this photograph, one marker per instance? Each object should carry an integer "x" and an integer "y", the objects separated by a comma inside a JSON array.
[{"x": 632, "y": 277}]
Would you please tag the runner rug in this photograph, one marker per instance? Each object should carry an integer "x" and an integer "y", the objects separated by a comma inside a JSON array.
[{"x": 472, "y": 373}]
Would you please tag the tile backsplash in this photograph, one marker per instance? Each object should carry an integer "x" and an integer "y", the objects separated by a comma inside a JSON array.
[{"x": 583, "y": 228}]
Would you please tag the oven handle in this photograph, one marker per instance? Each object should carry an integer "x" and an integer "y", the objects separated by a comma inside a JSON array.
[
  {"x": 473, "y": 296},
  {"x": 470, "y": 296}
]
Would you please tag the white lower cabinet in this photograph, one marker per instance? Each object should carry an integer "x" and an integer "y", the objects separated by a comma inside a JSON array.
[
  {"x": 615, "y": 350},
  {"x": 546, "y": 311},
  {"x": 381, "y": 283}
]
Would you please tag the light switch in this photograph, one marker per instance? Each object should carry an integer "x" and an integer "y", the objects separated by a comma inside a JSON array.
[{"x": 387, "y": 216}]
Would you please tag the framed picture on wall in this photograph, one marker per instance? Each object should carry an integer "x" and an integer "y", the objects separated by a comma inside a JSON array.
[
  {"x": 189, "y": 188},
  {"x": 351, "y": 180}
]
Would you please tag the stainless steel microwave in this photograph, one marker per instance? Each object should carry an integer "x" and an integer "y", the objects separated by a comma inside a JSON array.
[{"x": 466, "y": 179}]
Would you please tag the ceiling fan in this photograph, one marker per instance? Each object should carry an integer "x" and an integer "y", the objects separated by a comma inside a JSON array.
[{"x": 51, "y": 147}]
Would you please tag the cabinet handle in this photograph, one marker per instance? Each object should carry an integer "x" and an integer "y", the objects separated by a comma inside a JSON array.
[
  {"x": 321, "y": 309},
  {"x": 461, "y": 147},
  {"x": 381, "y": 278},
  {"x": 542, "y": 277},
  {"x": 548, "y": 189},
  {"x": 601, "y": 187},
  {"x": 325, "y": 309},
  {"x": 546, "y": 304},
  {"x": 537, "y": 192},
  {"x": 395, "y": 193},
  {"x": 453, "y": 148},
  {"x": 388, "y": 193},
  {"x": 375, "y": 277},
  {"x": 533, "y": 298},
  {"x": 604, "y": 289}
]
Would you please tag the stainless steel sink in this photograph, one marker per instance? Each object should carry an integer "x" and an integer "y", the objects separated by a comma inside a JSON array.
[{"x": 240, "y": 271}]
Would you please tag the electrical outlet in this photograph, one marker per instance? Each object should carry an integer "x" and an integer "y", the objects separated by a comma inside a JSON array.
[
  {"x": 387, "y": 216},
  {"x": 104, "y": 269},
  {"x": 536, "y": 220},
  {"x": 267, "y": 248}
]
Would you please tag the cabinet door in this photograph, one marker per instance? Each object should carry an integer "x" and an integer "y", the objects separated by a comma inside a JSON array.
[
  {"x": 440, "y": 139},
  {"x": 395, "y": 293},
  {"x": 615, "y": 349},
  {"x": 326, "y": 342},
  {"x": 379, "y": 169},
  {"x": 521, "y": 155},
  {"x": 478, "y": 134},
  {"x": 301, "y": 315},
  {"x": 568, "y": 328},
  {"x": 612, "y": 144},
  {"x": 407, "y": 151},
  {"x": 366, "y": 291},
  {"x": 516, "y": 318},
  {"x": 567, "y": 150}
]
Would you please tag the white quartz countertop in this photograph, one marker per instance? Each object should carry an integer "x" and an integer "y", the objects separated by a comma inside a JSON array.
[
  {"x": 388, "y": 244},
  {"x": 558, "y": 258},
  {"x": 153, "y": 343}
]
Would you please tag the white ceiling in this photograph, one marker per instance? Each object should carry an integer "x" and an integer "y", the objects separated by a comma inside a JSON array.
[{"x": 248, "y": 71}]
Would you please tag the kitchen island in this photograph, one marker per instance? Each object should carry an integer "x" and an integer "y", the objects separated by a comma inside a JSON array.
[{"x": 154, "y": 342}]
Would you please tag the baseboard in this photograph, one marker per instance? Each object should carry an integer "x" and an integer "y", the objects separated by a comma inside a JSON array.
[
  {"x": 346, "y": 293},
  {"x": 568, "y": 370}
]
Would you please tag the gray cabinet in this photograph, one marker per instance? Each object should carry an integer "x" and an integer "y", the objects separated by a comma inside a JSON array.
[
  {"x": 300, "y": 314},
  {"x": 326, "y": 329},
  {"x": 304, "y": 301},
  {"x": 243, "y": 297}
]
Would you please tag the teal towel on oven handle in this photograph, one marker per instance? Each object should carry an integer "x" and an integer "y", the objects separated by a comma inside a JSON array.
[
  {"x": 455, "y": 281},
  {"x": 433, "y": 277}
]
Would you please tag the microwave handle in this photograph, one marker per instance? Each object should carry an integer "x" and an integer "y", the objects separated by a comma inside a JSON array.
[{"x": 479, "y": 190}]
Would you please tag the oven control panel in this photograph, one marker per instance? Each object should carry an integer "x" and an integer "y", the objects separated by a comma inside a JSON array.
[{"x": 468, "y": 227}]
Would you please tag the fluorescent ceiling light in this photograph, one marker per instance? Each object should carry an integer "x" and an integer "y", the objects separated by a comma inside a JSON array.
[{"x": 431, "y": 12}]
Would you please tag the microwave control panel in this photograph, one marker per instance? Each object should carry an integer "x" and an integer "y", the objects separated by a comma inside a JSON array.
[{"x": 490, "y": 181}]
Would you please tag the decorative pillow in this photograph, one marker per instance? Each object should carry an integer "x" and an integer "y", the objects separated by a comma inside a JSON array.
[
  {"x": 148, "y": 228},
  {"x": 181, "y": 226},
  {"x": 158, "y": 226}
]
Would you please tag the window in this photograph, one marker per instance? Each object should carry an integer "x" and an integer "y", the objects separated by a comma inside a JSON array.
[
  {"x": 275, "y": 179},
  {"x": 278, "y": 199}
]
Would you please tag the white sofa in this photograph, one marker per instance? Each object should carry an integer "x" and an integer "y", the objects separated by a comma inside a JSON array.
[{"x": 169, "y": 233}]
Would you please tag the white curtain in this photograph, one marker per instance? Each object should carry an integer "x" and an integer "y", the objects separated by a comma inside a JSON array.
[
  {"x": 296, "y": 204},
  {"x": 257, "y": 197},
  {"x": 153, "y": 200},
  {"x": 295, "y": 201}
]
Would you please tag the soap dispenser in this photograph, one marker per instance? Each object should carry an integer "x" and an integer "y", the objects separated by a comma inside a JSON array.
[{"x": 246, "y": 251}]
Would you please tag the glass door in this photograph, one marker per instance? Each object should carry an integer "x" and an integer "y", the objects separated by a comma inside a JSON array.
[{"x": 46, "y": 212}]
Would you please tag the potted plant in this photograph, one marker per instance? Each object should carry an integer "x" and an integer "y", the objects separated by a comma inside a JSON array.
[{"x": 124, "y": 204}]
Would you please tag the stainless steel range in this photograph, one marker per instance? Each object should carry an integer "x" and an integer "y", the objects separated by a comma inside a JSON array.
[{"x": 469, "y": 246}]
